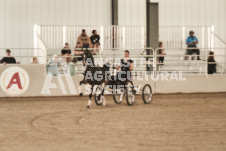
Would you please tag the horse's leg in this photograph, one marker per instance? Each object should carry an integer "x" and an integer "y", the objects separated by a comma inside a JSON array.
[
  {"x": 122, "y": 93},
  {"x": 133, "y": 88},
  {"x": 90, "y": 96},
  {"x": 102, "y": 96},
  {"x": 79, "y": 88}
]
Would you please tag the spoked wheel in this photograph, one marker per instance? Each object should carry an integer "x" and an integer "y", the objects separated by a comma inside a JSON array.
[
  {"x": 130, "y": 94},
  {"x": 97, "y": 95},
  {"x": 118, "y": 96},
  {"x": 147, "y": 94}
]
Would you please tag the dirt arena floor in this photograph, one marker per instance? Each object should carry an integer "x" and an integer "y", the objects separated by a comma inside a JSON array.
[{"x": 179, "y": 122}]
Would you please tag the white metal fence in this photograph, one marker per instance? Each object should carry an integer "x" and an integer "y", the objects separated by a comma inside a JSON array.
[
  {"x": 175, "y": 36},
  {"x": 110, "y": 36}
]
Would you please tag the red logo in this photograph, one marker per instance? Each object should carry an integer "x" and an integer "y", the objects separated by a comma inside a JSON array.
[{"x": 14, "y": 81}]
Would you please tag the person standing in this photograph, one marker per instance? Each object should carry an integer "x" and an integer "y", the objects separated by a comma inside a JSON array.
[
  {"x": 192, "y": 42},
  {"x": 161, "y": 52}
]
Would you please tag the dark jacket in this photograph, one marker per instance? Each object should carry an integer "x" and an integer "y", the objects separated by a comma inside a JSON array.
[
  {"x": 8, "y": 60},
  {"x": 212, "y": 67}
]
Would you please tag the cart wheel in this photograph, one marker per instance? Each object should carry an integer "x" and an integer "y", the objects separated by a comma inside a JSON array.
[
  {"x": 118, "y": 96},
  {"x": 147, "y": 94},
  {"x": 97, "y": 95},
  {"x": 130, "y": 94}
]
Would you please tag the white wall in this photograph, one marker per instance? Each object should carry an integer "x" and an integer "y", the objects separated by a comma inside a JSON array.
[
  {"x": 17, "y": 17},
  {"x": 194, "y": 13},
  {"x": 177, "y": 13},
  {"x": 206, "y": 84},
  {"x": 132, "y": 12}
]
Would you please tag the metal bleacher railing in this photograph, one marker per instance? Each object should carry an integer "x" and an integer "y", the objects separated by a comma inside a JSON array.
[
  {"x": 113, "y": 56},
  {"x": 176, "y": 59}
]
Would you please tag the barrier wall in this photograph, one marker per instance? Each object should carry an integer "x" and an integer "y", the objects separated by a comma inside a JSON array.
[{"x": 28, "y": 81}]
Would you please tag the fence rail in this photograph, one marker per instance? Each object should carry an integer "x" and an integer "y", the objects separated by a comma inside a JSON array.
[{"x": 174, "y": 59}]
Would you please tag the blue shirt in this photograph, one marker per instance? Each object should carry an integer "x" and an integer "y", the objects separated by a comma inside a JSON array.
[{"x": 191, "y": 40}]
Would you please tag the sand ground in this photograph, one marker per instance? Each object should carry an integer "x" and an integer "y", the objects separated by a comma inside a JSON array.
[{"x": 175, "y": 122}]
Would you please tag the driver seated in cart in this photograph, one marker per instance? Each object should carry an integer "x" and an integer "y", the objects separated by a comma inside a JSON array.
[{"x": 126, "y": 66}]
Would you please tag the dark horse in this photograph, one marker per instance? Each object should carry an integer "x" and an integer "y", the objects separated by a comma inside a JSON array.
[{"x": 93, "y": 75}]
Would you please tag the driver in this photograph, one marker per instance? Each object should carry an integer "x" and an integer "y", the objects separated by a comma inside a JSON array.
[{"x": 126, "y": 66}]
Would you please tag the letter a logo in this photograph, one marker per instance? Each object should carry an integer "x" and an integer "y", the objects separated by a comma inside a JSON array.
[{"x": 15, "y": 80}]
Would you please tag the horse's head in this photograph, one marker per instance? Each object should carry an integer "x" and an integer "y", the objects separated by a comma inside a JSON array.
[
  {"x": 106, "y": 66},
  {"x": 88, "y": 57},
  {"x": 87, "y": 54}
]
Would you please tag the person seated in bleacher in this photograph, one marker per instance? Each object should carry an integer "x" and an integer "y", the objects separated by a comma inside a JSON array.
[
  {"x": 95, "y": 40},
  {"x": 8, "y": 59},
  {"x": 66, "y": 53},
  {"x": 34, "y": 60},
  {"x": 161, "y": 52},
  {"x": 53, "y": 66},
  {"x": 84, "y": 40},
  {"x": 192, "y": 42},
  {"x": 212, "y": 65},
  {"x": 71, "y": 69},
  {"x": 78, "y": 51}
]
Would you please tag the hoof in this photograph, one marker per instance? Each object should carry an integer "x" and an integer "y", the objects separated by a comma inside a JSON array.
[
  {"x": 88, "y": 106},
  {"x": 81, "y": 94}
]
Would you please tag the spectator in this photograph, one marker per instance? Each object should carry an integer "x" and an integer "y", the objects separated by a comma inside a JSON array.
[
  {"x": 95, "y": 40},
  {"x": 192, "y": 41},
  {"x": 161, "y": 52},
  {"x": 34, "y": 60},
  {"x": 8, "y": 59},
  {"x": 84, "y": 40},
  {"x": 212, "y": 65},
  {"x": 53, "y": 68},
  {"x": 66, "y": 52},
  {"x": 71, "y": 69},
  {"x": 78, "y": 51}
]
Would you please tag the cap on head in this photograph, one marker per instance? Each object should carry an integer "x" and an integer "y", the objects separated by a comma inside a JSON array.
[
  {"x": 8, "y": 50},
  {"x": 191, "y": 32}
]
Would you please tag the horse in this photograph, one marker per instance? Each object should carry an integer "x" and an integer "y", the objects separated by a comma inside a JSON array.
[{"x": 89, "y": 75}]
